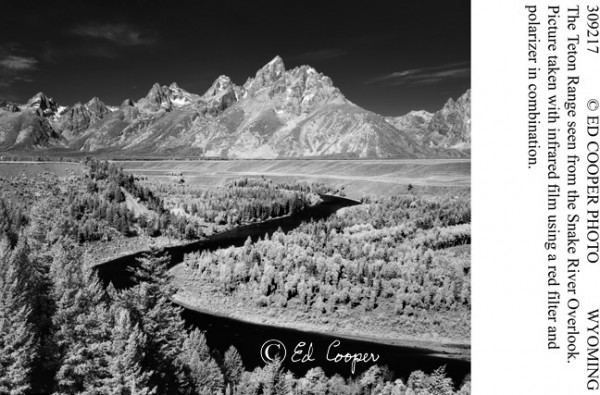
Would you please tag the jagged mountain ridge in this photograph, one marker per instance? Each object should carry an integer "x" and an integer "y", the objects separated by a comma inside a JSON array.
[
  {"x": 277, "y": 113},
  {"x": 449, "y": 127}
]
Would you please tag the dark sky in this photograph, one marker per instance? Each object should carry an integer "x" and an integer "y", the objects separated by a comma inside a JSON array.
[{"x": 386, "y": 56}]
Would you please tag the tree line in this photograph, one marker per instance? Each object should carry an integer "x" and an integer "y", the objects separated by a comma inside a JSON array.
[
  {"x": 64, "y": 332},
  {"x": 240, "y": 201},
  {"x": 406, "y": 256},
  {"x": 107, "y": 204}
]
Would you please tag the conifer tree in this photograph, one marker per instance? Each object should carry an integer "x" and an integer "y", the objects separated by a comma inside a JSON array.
[
  {"x": 204, "y": 372},
  {"x": 17, "y": 349},
  {"x": 36, "y": 289},
  {"x": 19, "y": 336},
  {"x": 272, "y": 380},
  {"x": 83, "y": 327},
  {"x": 314, "y": 382},
  {"x": 439, "y": 383},
  {"x": 161, "y": 323},
  {"x": 233, "y": 367},
  {"x": 125, "y": 365},
  {"x": 18, "y": 344}
]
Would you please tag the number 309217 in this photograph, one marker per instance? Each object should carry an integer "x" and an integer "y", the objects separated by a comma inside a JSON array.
[{"x": 592, "y": 31}]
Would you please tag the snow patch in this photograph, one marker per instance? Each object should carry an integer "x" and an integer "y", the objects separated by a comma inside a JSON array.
[{"x": 180, "y": 101}]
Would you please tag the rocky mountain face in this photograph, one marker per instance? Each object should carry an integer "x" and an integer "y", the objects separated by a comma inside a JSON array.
[
  {"x": 277, "y": 113},
  {"x": 77, "y": 119},
  {"x": 29, "y": 126},
  {"x": 27, "y": 130},
  {"x": 45, "y": 106},
  {"x": 449, "y": 127},
  {"x": 8, "y": 106}
]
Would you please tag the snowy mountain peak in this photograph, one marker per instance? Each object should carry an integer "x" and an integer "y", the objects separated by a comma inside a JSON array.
[
  {"x": 222, "y": 83},
  {"x": 175, "y": 89},
  {"x": 465, "y": 99},
  {"x": 274, "y": 69},
  {"x": 421, "y": 113},
  {"x": 44, "y": 104},
  {"x": 267, "y": 75},
  {"x": 180, "y": 97},
  {"x": 453, "y": 121},
  {"x": 127, "y": 103},
  {"x": 37, "y": 98},
  {"x": 450, "y": 127},
  {"x": 277, "y": 113},
  {"x": 156, "y": 99},
  {"x": 74, "y": 121},
  {"x": 463, "y": 102},
  {"x": 276, "y": 62},
  {"x": 97, "y": 106},
  {"x": 94, "y": 100},
  {"x": 222, "y": 94}
]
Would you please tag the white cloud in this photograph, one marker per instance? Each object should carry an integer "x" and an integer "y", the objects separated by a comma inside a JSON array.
[
  {"x": 425, "y": 75},
  {"x": 15, "y": 68},
  {"x": 121, "y": 34},
  {"x": 18, "y": 63}
]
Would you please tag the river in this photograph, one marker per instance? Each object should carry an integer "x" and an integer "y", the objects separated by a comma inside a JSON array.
[{"x": 248, "y": 338}]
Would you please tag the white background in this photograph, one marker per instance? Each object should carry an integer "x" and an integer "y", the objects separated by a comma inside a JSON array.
[{"x": 509, "y": 213}]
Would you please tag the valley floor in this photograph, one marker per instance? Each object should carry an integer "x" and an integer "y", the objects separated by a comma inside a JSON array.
[
  {"x": 354, "y": 177},
  {"x": 394, "y": 270}
]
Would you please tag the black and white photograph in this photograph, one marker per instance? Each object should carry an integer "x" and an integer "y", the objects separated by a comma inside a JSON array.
[{"x": 235, "y": 198}]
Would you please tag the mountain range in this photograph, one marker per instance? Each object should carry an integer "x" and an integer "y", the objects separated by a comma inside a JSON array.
[{"x": 278, "y": 113}]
